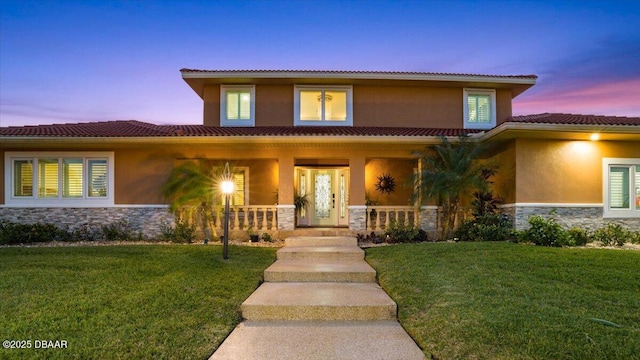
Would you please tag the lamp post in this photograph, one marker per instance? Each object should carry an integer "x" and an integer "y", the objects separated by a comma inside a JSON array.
[{"x": 227, "y": 189}]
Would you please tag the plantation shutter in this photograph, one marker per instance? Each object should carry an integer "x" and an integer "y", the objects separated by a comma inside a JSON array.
[
  {"x": 238, "y": 194},
  {"x": 47, "y": 178},
  {"x": 637, "y": 187},
  {"x": 72, "y": 176},
  {"x": 97, "y": 175},
  {"x": 23, "y": 178},
  {"x": 238, "y": 105},
  {"x": 479, "y": 108},
  {"x": 619, "y": 187}
]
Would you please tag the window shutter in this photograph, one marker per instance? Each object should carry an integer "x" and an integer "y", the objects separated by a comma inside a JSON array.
[
  {"x": 23, "y": 178},
  {"x": 619, "y": 188},
  {"x": 48, "y": 178},
  {"x": 72, "y": 176},
  {"x": 97, "y": 175}
]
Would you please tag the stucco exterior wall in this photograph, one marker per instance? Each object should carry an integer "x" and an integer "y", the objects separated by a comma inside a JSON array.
[
  {"x": 395, "y": 106},
  {"x": 402, "y": 173},
  {"x": 554, "y": 171}
]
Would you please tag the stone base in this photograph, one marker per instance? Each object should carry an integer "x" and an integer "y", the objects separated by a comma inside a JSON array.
[
  {"x": 358, "y": 218},
  {"x": 585, "y": 217},
  {"x": 146, "y": 220}
]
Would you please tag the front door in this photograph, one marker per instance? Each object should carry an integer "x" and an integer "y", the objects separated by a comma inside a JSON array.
[{"x": 327, "y": 195}]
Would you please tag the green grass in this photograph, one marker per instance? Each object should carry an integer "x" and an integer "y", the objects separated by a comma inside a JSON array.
[
  {"x": 507, "y": 301},
  {"x": 125, "y": 302}
]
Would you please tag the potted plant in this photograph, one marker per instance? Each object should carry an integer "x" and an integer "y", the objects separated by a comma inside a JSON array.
[{"x": 252, "y": 234}]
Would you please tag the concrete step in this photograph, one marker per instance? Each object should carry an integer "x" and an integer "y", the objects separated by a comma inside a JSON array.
[
  {"x": 319, "y": 301},
  {"x": 334, "y": 253},
  {"x": 370, "y": 340},
  {"x": 319, "y": 271},
  {"x": 321, "y": 241}
]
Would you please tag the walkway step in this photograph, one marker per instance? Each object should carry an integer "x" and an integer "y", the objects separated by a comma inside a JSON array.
[
  {"x": 371, "y": 340},
  {"x": 319, "y": 271},
  {"x": 336, "y": 253},
  {"x": 321, "y": 241},
  {"x": 319, "y": 301}
]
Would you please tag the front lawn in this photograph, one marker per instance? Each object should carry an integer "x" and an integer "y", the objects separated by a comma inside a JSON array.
[
  {"x": 492, "y": 300},
  {"x": 126, "y": 302}
]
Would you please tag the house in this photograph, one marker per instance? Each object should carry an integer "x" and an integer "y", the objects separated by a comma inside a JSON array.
[{"x": 338, "y": 137}]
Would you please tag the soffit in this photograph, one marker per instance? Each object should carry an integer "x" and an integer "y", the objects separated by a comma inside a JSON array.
[{"x": 198, "y": 79}]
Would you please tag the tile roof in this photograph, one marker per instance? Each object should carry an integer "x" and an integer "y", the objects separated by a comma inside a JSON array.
[
  {"x": 132, "y": 128},
  {"x": 574, "y": 119},
  {"x": 347, "y": 72}
]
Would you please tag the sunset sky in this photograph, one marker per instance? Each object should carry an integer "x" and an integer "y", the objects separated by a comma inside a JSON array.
[{"x": 79, "y": 61}]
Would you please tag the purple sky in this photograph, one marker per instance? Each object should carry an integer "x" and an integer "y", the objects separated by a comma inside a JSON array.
[{"x": 78, "y": 61}]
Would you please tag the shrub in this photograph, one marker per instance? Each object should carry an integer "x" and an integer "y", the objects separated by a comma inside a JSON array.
[
  {"x": 266, "y": 237},
  {"x": 120, "y": 230},
  {"x": 85, "y": 232},
  {"x": 577, "y": 237},
  {"x": 612, "y": 234},
  {"x": 371, "y": 238},
  {"x": 544, "y": 232},
  {"x": 401, "y": 233},
  {"x": 182, "y": 232},
  {"x": 12, "y": 233},
  {"x": 488, "y": 227}
]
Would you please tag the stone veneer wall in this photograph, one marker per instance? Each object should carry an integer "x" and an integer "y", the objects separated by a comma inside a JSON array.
[
  {"x": 142, "y": 219},
  {"x": 429, "y": 221},
  {"x": 286, "y": 217},
  {"x": 357, "y": 218},
  {"x": 589, "y": 218}
]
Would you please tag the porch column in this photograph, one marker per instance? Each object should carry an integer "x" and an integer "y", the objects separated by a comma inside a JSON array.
[
  {"x": 286, "y": 208},
  {"x": 357, "y": 202}
]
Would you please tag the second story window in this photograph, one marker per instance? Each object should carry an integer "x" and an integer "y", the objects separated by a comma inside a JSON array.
[
  {"x": 328, "y": 106},
  {"x": 237, "y": 105},
  {"x": 479, "y": 109}
]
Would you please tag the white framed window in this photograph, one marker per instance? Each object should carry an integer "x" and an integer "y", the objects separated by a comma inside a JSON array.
[
  {"x": 237, "y": 105},
  {"x": 621, "y": 187},
  {"x": 323, "y": 106},
  {"x": 479, "y": 108},
  {"x": 42, "y": 179},
  {"x": 240, "y": 195}
]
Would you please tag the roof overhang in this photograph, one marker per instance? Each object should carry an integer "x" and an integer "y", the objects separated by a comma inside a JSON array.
[
  {"x": 217, "y": 142},
  {"x": 198, "y": 79},
  {"x": 512, "y": 130}
]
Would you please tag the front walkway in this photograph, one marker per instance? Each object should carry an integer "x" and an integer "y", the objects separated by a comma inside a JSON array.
[{"x": 320, "y": 300}]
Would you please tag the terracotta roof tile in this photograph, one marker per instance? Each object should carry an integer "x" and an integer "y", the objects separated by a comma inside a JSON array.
[
  {"x": 575, "y": 119},
  {"x": 132, "y": 128},
  {"x": 347, "y": 72}
]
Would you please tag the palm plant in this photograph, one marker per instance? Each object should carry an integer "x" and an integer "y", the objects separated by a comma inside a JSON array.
[
  {"x": 451, "y": 171},
  {"x": 194, "y": 187}
]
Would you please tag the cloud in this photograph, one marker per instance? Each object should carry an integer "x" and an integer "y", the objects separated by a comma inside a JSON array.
[{"x": 604, "y": 79}]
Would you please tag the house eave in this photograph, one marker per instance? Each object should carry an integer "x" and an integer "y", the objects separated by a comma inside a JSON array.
[
  {"x": 30, "y": 142},
  {"x": 511, "y": 130},
  {"x": 198, "y": 79}
]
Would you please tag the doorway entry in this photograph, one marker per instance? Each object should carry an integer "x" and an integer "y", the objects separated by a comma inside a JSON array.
[{"x": 327, "y": 192}]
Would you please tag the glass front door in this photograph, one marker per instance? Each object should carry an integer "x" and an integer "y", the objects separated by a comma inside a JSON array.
[{"x": 327, "y": 194}]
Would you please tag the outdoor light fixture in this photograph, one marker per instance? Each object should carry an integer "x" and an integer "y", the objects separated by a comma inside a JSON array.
[
  {"x": 227, "y": 189},
  {"x": 594, "y": 137}
]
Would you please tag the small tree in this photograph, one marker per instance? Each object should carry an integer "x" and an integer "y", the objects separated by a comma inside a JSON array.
[
  {"x": 194, "y": 186},
  {"x": 450, "y": 171}
]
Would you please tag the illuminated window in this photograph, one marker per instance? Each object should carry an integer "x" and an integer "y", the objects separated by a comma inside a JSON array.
[
  {"x": 40, "y": 179},
  {"x": 621, "y": 187},
  {"x": 331, "y": 106},
  {"x": 237, "y": 105},
  {"x": 479, "y": 109}
]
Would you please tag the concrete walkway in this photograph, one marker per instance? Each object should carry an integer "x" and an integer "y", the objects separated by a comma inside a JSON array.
[{"x": 320, "y": 300}]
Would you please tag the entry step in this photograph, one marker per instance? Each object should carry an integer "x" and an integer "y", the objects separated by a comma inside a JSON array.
[
  {"x": 320, "y": 271},
  {"x": 319, "y": 301}
]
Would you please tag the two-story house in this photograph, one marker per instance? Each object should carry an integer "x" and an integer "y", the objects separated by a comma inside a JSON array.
[{"x": 336, "y": 137}]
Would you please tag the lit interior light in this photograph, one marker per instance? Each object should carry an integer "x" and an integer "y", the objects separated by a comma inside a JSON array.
[{"x": 594, "y": 137}]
